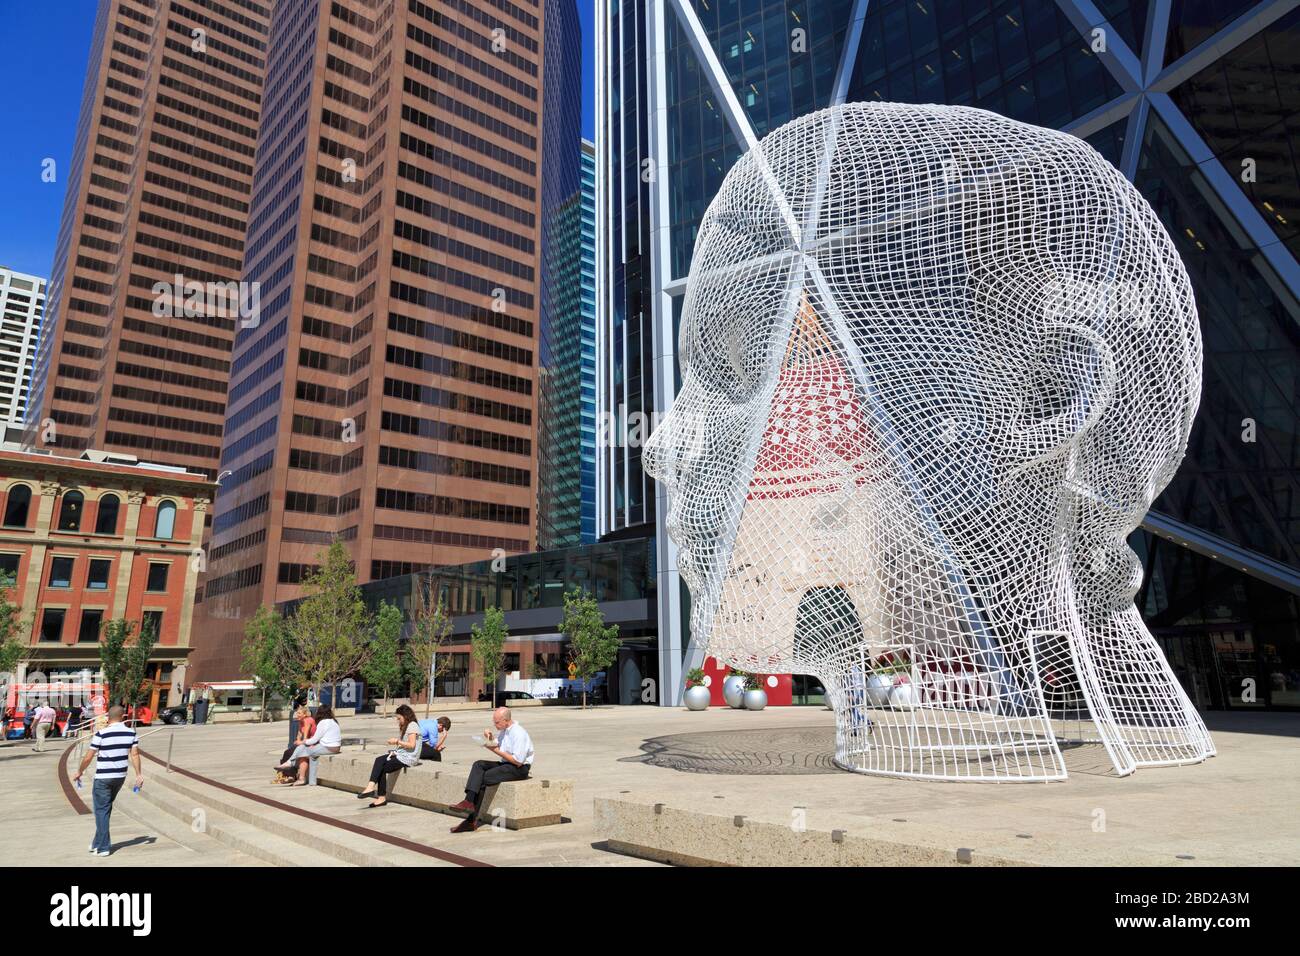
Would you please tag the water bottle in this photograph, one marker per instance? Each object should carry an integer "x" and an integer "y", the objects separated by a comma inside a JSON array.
[{"x": 78, "y": 783}]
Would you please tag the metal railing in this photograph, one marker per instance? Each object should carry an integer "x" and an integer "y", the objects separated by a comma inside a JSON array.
[
  {"x": 81, "y": 741},
  {"x": 69, "y": 733}
]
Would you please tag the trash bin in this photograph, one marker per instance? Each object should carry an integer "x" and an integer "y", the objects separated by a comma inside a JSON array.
[{"x": 201, "y": 711}]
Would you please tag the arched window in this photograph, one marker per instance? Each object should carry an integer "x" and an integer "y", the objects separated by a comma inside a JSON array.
[
  {"x": 16, "y": 508},
  {"x": 106, "y": 518},
  {"x": 165, "y": 526},
  {"x": 70, "y": 511}
]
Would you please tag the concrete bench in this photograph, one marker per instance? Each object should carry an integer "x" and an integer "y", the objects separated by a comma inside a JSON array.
[{"x": 518, "y": 804}]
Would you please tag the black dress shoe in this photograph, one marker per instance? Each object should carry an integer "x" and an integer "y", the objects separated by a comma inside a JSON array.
[
  {"x": 365, "y": 796},
  {"x": 375, "y": 806}
]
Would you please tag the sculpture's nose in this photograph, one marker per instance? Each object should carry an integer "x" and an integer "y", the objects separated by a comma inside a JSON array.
[{"x": 665, "y": 456}]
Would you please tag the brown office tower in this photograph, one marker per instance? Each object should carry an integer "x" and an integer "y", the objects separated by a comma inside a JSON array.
[
  {"x": 144, "y": 294},
  {"x": 387, "y": 395}
]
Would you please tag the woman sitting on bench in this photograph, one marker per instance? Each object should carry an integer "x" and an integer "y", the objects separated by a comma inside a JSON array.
[
  {"x": 328, "y": 739},
  {"x": 306, "y": 727},
  {"x": 407, "y": 754}
]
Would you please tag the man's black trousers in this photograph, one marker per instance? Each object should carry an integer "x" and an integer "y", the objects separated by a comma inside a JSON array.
[{"x": 487, "y": 773}]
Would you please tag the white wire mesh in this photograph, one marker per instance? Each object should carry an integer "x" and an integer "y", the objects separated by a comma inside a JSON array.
[{"x": 936, "y": 365}]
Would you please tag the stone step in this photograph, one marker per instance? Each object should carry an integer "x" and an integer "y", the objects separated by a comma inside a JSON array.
[
  {"x": 170, "y": 823},
  {"x": 166, "y": 824},
  {"x": 339, "y": 844},
  {"x": 253, "y": 844}
]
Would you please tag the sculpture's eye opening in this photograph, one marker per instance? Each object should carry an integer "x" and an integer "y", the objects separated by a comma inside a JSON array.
[
  {"x": 731, "y": 329},
  {"x": 719, "y": 349}
]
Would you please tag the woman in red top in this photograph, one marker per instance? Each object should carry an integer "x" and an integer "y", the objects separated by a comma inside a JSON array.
[
  {"x": 306, "y": 728},
  {"x": 306, "y": 724}
]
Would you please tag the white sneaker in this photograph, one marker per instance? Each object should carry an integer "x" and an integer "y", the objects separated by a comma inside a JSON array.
[
  {"x": 103, "y": 852},
  {"x": 92, "y": 848}
]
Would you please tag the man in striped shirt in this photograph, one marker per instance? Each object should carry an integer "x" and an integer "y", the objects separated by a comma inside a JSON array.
[{"x": 111, "y": 747}]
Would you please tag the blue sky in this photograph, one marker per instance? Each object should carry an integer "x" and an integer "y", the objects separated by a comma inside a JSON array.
[{"x": 42, "y": 68}]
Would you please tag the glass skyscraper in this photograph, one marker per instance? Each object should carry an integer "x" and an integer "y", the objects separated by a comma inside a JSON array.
[
  {"x": 587, "y": 285},
  {"x": 1196, "y": 101},
  {"x": 566, "y": 493},
  {"x": 566, "y": 362}
]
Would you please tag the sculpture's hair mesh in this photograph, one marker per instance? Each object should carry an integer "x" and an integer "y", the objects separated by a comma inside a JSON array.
[{"x": 936, "y": 365}]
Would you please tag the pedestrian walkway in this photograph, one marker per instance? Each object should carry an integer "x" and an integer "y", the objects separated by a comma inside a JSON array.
[
  {"x": 1235, "y": 809},
  {"x": 41, "y": 828}
]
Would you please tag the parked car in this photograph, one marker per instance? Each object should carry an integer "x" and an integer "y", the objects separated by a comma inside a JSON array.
[
  {"x": 597, "y": 690},
  {"x": 173, "y": 715},
  {"x": 502, "y": 695}
]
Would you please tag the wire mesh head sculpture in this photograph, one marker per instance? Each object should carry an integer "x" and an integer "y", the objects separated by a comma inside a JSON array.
[{"x": 936, "y": 365}]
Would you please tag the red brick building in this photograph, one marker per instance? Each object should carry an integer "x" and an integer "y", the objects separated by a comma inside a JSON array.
[{"x": 91, "y": 539}]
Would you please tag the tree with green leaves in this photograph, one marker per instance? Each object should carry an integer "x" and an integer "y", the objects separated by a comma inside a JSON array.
[
  {"x": 487, "y": 643},
  {"x": 12, "y": 652},
  {"x": 593, "y": 647},
  {"x": 330, "y": 628},
  {"x": 267, "y": 657},
  {"x": 137, "y": 664},
  {"x": 423, "y": 663},
  {"x": 13, "y": 649},
  {"x": 383, "y": 669},
  {"x": 112, "y": 656},
  {"x": 124, "y": 659}
]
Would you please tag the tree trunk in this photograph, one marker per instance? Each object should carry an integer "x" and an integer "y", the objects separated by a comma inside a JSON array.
[
  {"x": 263, "y": 718},
  {"x": 584, "y": 695},
  {"x": 431, "y": 677}
]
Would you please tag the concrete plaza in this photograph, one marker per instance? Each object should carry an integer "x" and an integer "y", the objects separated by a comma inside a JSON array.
[{"x": 1236, "y": 809}]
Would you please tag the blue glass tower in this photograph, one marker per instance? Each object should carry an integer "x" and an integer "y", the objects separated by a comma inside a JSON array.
[
  {"x": 587, "y": 286},
  {"x": 566, "y": 368},
  {"x": 1196, "y": 101}
]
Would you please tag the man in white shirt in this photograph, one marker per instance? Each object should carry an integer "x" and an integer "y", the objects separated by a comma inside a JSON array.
[
  {"x": 43, "y": 721},
  {"x": 112, "y": 748},
  {"x": 514, "y": 747}
]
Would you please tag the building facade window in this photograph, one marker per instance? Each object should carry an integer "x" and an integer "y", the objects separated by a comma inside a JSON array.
[
  {"x": 92, "y": 620},
  {"x": 17, "y": 506},
  {"x": 52, "y": 624},
  {"x": 152, "y": 621},
  {"x": 165, "y": 525},
  {"x": 70, "y": 509},
  {"x": 9, "y": 568},
  {"x": 97, "y": 577},
  {"x": 106, "y": 519},
  {"x": 61, "y": 572},
  {"x": 157, "y": 577}
]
